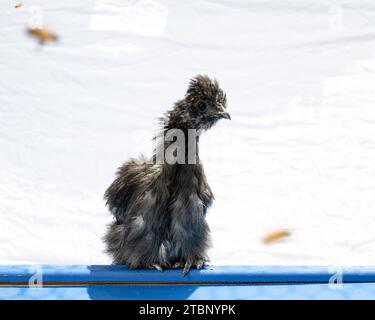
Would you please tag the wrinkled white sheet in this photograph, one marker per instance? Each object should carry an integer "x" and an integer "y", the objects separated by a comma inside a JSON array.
[{"x": 299, "y": 152}]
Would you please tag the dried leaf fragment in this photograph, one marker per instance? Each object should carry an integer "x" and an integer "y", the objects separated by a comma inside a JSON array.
[
  {"x": 42, "y": 34},
  {"x": 276, "y": 235}
]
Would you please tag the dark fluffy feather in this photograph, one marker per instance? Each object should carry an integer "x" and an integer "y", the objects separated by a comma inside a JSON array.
[{"x": 160, "y": 209}]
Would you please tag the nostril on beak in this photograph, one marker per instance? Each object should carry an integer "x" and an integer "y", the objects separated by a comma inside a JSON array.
[{"x": 225, "y": 115}]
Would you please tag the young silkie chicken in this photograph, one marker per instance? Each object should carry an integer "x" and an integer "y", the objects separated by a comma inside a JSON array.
[{"x": 160, "y": 206}]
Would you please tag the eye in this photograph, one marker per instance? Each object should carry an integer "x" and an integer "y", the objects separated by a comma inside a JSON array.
[{"x": 202, "y": 106}]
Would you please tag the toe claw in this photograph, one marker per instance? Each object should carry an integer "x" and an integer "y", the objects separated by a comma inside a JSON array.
[
  {"x": 176, "y": 265},
  {"x": 199, "y": 264},
  {"x": 186, "y": 268},
  {"x": 158, "y": 267}
]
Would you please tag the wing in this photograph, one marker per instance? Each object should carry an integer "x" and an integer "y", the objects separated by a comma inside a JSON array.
[
  {"x": 121, "y": 190},
  {"x": 204, "y": 190},
  {"x": 132, "y": 179}
]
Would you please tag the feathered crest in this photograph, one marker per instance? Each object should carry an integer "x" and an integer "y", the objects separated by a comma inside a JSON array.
[{"x": 202, "y": 85}]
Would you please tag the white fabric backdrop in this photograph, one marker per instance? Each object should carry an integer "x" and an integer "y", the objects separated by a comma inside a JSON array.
[{"x": 299, "y": 152}]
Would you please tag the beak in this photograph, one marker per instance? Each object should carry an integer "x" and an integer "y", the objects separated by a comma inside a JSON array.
[{"x": 224, "y": 115}]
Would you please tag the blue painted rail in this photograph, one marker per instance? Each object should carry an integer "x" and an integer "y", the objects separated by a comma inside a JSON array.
[{"x": 212, "y": 282}]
